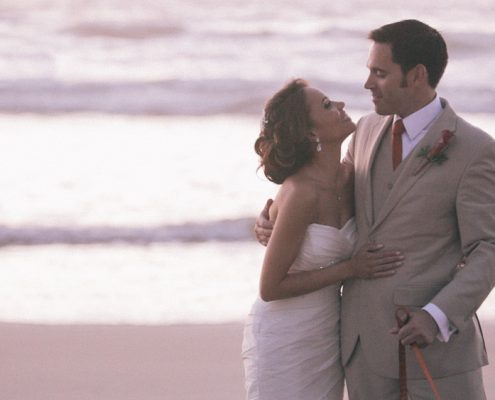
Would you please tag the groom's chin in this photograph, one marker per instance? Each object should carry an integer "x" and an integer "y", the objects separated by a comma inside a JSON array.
[{"x": 382, "y": 111}]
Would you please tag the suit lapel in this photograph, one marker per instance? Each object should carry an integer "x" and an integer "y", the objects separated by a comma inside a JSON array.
[
  {"x": 407, "y": 176},
  {"x": 381, "y": 128}
]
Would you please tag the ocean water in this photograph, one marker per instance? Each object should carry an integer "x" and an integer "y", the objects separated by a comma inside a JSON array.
[
  {"x": 129, "y": 183},
  {"x": 208, "y": 57},
  {"x": 117, "y": 219}
]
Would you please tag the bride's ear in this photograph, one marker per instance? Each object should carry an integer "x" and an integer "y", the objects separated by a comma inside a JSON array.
[{"x": 313, "y": 137}]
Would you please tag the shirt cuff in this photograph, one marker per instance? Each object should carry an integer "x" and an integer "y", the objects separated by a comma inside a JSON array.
[{"x": 446, "y": 329}]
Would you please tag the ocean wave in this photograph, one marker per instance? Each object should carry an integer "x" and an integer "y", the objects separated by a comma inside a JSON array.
[
  {"x": 173, "y": 97},
  {"x": 227, "y": 230},
  {"x": 267, "y": 29},
  {"x": 136, "y": 31},
  {"x": 193, "y": 97},
  {"x": 470, "y": 44}
]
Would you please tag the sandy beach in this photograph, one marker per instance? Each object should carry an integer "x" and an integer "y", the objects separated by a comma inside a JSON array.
[{"x": 93, "y": 362}]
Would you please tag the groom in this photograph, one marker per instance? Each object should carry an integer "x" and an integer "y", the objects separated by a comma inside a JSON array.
[{"x": 425, "y": 185}]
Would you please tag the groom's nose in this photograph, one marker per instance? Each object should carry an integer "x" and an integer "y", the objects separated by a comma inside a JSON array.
[{"x": 369, "y": 82}]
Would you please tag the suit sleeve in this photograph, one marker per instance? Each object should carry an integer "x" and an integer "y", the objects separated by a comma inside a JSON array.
[
  {"x": 349, "y": 156},
  {"x": 475, "y": 205}
]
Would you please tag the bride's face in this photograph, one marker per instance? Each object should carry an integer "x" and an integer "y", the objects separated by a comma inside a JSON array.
[{"x": 329, "y": 120}]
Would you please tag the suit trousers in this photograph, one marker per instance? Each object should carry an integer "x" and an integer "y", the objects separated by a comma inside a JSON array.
[{"x": 363, "y": 384}]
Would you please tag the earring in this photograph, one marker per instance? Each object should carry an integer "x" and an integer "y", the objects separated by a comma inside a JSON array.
[{"x": 318, "y": 144}]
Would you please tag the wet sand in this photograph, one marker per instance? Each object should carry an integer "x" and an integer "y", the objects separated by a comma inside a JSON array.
[{"x": 123, "y": 362}]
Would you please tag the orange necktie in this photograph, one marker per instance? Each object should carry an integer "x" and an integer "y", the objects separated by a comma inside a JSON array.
[{"x": 397, "y": 131}]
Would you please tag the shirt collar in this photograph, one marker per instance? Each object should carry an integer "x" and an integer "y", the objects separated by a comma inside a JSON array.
[{"x": 418, "y": 121}]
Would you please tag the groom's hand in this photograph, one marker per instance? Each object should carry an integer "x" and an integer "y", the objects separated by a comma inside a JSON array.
[
  {"x": 263, "y": 227},
  {"x": 420, "y": 329}
]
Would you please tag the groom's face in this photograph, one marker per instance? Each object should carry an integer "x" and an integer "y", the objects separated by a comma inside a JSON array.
[{"x": 386, "y": 81}]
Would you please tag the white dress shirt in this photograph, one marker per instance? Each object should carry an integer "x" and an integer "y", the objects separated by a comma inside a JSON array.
[{"x": 417, "y": 124}]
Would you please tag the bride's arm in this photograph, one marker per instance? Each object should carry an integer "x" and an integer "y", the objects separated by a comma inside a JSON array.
[{"x": 295, "y": 211}]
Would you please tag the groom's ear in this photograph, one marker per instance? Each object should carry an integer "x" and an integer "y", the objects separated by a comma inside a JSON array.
[{"x": 418, "y": 76}]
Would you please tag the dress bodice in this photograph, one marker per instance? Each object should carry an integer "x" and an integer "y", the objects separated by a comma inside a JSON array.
[
  {"x": 324, "y": 245},
  {"x": 291, "y": 347}
]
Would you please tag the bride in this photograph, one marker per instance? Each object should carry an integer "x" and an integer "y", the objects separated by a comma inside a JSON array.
[{"x": 291, "y": 346}]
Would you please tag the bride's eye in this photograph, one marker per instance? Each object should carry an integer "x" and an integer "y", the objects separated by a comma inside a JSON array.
[{"x": 327, "y": 104}]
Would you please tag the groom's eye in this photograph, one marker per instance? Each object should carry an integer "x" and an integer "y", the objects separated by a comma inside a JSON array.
[
  {"x": 327, "y": 104},
  {"x": 380, "y": 73}
]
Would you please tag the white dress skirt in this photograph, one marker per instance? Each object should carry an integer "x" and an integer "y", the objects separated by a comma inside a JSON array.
[{"x": 291, "y": 347}]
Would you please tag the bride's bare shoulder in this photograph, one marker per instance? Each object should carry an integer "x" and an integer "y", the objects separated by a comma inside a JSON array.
[{"x": 298, "y": 190}]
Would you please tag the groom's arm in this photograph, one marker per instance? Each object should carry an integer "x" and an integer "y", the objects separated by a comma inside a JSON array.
[
  {"x": 475, "y": 207},
  {"x": 349, "y": 155},
  {"x": 456, "y": 303}
]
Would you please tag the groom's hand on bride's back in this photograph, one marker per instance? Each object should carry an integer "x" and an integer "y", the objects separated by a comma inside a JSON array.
[{"x": 263, "y": 227}]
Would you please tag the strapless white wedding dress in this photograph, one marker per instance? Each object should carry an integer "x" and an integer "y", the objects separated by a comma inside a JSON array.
[{"x": 291, "y": 347}]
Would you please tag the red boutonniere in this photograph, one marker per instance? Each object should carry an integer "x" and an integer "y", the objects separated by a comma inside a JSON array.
[{"x": 437, "y": 153}]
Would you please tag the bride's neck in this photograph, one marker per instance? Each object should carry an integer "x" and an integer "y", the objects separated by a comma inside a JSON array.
[{"x": 325, "y": 166}]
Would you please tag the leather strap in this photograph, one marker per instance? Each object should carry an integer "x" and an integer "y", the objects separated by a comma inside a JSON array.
[{"x": 402, "y": 316}]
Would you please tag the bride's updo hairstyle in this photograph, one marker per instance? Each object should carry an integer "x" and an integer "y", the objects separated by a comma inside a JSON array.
[{"x": 283, "y": 143}]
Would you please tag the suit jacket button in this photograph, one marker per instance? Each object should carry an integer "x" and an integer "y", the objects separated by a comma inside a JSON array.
[{"x": 390, "y": 186}]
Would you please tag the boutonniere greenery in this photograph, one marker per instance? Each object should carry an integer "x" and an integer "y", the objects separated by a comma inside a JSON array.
[{"x": 435, "y": 154}]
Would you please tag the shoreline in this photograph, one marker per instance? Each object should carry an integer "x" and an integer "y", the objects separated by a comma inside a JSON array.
[{"x": 124, "y": 362}]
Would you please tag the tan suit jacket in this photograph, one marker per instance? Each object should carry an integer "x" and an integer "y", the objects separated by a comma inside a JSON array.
[{"x": 435, "y": 218}]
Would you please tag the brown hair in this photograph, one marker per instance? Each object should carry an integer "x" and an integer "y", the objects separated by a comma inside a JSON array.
[
  {"x": 413, "y": 43},
  {"x": 283, "y": 143}
]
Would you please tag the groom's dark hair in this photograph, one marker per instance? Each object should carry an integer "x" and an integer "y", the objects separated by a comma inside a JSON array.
[{"x": 413, "y": 42}]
